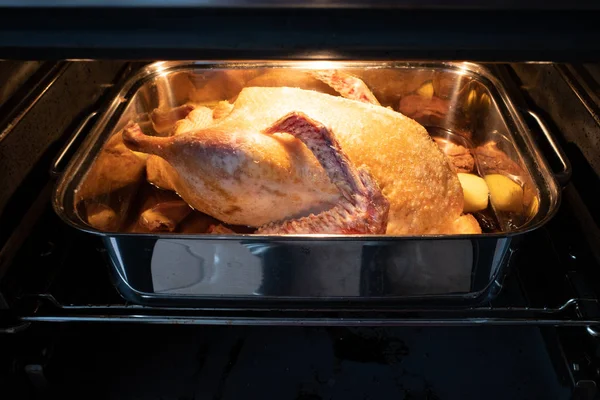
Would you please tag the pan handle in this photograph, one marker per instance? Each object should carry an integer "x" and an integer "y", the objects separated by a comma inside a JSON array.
[
  {"x": 56, "y": 168},
  {"x": 564, "y": 175}
]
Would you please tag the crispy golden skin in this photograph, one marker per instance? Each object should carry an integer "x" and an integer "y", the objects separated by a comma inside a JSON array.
[
  {"x": 464, "y": 224},
  {"x": 301, "y": 79},
  {"x": 235, "y": 173},
  {"x": 158, "y": 171}
]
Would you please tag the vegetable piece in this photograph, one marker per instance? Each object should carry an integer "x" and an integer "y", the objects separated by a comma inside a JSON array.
[
  {"x": 475, "y": 191},
  {"x": 533, "y": 207},
  {"x": 102, "y": 217},
  {"x": 426, "y": 90},
  {"x": 505, "y": 194},
  {"x": 165, "y": 216}
]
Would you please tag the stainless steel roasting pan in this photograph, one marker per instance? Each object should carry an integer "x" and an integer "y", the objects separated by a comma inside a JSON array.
[{"x": 462, "y": 103}]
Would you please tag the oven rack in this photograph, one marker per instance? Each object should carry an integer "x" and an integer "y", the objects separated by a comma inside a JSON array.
[{"x": 45, "y": 308}]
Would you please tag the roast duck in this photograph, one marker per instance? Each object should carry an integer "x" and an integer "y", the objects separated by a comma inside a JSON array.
[{"x": 290, "y": 160}]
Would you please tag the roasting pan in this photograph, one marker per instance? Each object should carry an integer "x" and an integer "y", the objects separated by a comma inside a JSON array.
[{"x": 461, "y": 103}]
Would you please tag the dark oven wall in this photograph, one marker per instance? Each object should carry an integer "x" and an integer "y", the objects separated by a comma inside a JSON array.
[
  {"x": 383, "y": 30},
  {"x": 567, "y": 95},
  {"x": 40, "y": 107}
]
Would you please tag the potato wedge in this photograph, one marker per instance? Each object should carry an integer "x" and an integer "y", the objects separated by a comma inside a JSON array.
[
  {"x": 505, "y": 194},
  {"x": 475, "y": 191}
]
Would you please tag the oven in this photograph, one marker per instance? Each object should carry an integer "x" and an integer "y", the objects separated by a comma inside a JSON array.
[{"x": 95, "y": 300}]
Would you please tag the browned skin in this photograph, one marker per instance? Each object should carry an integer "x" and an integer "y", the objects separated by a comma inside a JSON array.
[
  {"x": 219, "y": 229},
  {"x": 199, "y": 118},
  {"x": 164, "y": 216},
  {"x": 222, "y": 109},
  {"x": 362, "y": 209},
  {"x": 158, "y": 171},
  {"x": 460, "y": 157},
  {"x": 466, "y": 224},
  {"x": 301, "y": 79},
  {"x": 495, "y": 161},
  {"x": 347, "y": 85},
  {"x": 164, "y": 119},
  {"x": 115, "y": 168},
  {"x": 102, "y": 217}
]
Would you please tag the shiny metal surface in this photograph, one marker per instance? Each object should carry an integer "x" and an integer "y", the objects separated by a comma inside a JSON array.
[
  {"x": 185, "y": 268},
  {"x": 175, "y": 271},
  {"x": 394, "y": 315},
  {"x": 241, "y": 321},
  {"x": 564, "y": 175},
  {"x": 55, "y": 168}
]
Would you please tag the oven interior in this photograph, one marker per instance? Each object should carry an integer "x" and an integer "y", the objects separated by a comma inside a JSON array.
[
  {"x": 55, "y": 273},
  {"x": 66, "y": 326}
]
